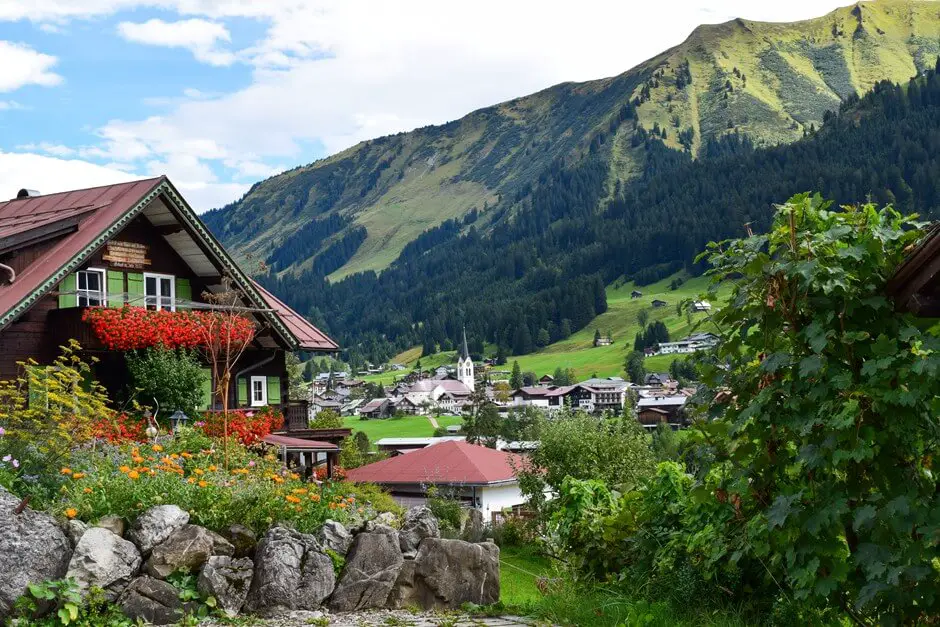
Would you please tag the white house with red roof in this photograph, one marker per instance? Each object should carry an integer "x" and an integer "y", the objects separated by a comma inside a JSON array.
[{"x": 483, "y": 478}]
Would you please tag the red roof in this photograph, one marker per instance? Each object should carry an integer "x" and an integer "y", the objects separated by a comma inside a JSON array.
[
  {"x": 310, "y": 337},
  {"x": 299, "y": 443},
  {"x": 89, "y": 214},
  {"x": 451, "y": 462}
]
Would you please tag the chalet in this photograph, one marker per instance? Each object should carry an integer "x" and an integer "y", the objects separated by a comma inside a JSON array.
[
  {"x": 351, "y": 407},
  {"x": 376, "y": 408},
  {"x": 135, "y": 244},
  {"x": 650, "y": 417},
  {"x": 400, "y": 446},
  {"x": 603, "y": 341},
  {"x": 701, "y": 305},
  {"x": 546, "y": 379},
  {"x": 321, "y": 403},
  {"x": 659, "y": 303},
  {"x": 482, "y": 478},
  {"x": 407, "y": 405},
  {"x": 658, "y": 379},
  {"x": 636, "y": 294},
  {"x": 673, "y": 407},
  {"x": 690, "y": 344}
]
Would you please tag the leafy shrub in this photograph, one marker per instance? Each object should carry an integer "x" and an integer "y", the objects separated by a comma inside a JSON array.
[
  {"x": 59, "y": 603},
  {"x": 174, "y": 378},
  {"x": 446, "y": 508},
  {"x": 326, "y": 419}
]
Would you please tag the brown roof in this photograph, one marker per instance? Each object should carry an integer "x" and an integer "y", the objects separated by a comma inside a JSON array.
[
  {"x": 92, "y": 216},
  {"x": 298, "y": 444},
  {"x": 451, "y": 462},
  {"x": 310, "y": 337}
]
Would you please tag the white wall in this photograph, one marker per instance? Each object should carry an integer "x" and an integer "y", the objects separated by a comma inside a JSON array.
[{"x": 495, "y": 498}]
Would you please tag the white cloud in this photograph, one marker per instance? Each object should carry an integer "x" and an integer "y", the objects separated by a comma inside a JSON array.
[
  {"x": 201, "y": 37},
  {"x": 56, "y": 150},
  {"x": 7, "y": 105},
  {"x": 24, "y": 66},
  {"x": 52, "y": 174}
]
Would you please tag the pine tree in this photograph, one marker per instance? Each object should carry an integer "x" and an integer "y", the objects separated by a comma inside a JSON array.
[
  {"x": 515, "y": 381},
  {"x": 634, "y": 367}
]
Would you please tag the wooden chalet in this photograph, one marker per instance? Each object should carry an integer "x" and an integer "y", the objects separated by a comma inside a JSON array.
[
  {"x": 915, "y": 286},
  {"x": 135, "y": 244}
]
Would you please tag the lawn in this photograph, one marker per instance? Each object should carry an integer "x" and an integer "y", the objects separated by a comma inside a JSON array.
[
  {"x": 404, "y": 427},
  {"x": 519, "y": 571}
]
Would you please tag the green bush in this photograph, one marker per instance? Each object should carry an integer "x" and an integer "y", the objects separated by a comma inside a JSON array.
[
  {"x": 175, "y": 378},
  {"x": 326, "y": 419}
]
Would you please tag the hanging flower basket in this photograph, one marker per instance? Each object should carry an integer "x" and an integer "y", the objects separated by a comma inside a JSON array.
[{"x": 131, "y": 328}]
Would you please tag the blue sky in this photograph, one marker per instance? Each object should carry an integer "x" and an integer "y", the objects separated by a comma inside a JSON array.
[{"x": 221, "y": 93}]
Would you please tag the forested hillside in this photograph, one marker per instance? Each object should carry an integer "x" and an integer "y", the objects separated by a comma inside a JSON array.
[{"x": 546, "y": 267}]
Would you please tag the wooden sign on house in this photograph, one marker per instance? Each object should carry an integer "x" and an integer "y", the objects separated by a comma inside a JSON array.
[{"x": 127, "y": 255}]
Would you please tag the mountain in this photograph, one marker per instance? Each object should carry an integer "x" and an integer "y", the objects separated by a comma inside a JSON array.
[{"x": 512, "y": 219}]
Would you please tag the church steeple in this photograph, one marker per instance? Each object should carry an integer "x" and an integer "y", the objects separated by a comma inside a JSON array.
[
  {"x": 465, "y": 364},
  {"x": 464, "y": 352}
]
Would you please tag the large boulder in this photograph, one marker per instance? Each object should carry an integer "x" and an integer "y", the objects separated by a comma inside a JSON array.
[
  {"x": 228, "y": 580},
  {"x": 105, "y": 560},
  {"x": 290, "y": 573},
  {"x": 32, "y": 548},
  {"x": 449, "y": 573},
  {"x": 153, "y": 601},
  {"x": 114, "y": 524},
  {"x": 404, "y": 593},
  {"x": 335, "y": 537},
  {"x": 419, "y": 524},
  {"x": 242, "y": 539},
  {"x": 372, "y": 567},
  {"x": 187, "y": 548},
  {"x": 75, "y": 530},
  {"x": 155, "y": 525}
]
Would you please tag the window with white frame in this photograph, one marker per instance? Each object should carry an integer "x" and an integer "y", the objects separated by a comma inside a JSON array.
[
  {"x": 259, "y": 391},
  {"x": 89, "y": 286},
  {"x": 160, "y": 291}
]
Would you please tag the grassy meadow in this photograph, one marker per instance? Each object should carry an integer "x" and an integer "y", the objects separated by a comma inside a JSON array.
[{"x": 404, "y": 427}]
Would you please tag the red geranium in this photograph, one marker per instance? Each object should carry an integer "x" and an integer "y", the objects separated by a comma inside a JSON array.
[
  {"x": 121, "y": 428},
  {"x": 131, "y": 328},
  {"x": 249, "y": 427}
]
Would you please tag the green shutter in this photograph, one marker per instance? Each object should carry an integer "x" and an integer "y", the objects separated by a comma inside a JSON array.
[
  {"x": 135, "y": 289},
  {"x": 115, "y": 289},
  {"x": 206, "y": 386},
  {"x": 67, "y": 295},
  {"x": 242, "y": 392},
  {"x": 274, "y": 390},
  {"x": 184, "y": 292}
]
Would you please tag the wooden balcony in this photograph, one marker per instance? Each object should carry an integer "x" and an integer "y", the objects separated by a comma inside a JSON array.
[
  {"x": 296, "y": 415},
  {"x": 65, "y": 324}
]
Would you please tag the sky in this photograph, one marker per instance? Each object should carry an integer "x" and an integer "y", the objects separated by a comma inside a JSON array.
[{"x": 219, "y": 94}]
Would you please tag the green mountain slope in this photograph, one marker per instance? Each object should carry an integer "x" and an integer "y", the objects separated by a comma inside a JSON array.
[{"x": 771, "y": 82}]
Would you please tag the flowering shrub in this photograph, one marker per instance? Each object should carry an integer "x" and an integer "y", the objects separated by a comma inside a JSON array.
[
  {"x": 339, "y": 473},
  {"x": 121, "y": 428},
  {"x": 248, "y": 427},
  {"x": 257, "y": 492},
  {"x": 131, "y": 328}
]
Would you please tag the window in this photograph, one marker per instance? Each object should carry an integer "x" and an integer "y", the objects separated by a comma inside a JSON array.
[
  {"x": 90, "y": 288},
  {"x": 259, "y": 391},
  {"x": 160, "y": 291}
]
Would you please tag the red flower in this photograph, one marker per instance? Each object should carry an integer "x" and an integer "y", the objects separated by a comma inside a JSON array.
[
  {"x": 248, "y": 427},
  {"x": 130, "y": 328}
]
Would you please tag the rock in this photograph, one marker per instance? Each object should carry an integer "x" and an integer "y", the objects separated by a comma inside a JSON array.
[
  {"x": 386, "y": 518},
  {"x": 75, "y": 529},
  {"x": 114, "y": 524},
  {"x": 153, "y": 601},
  {"x": 242, "y": 539},
  {"x": 334, "y": 536},
  {"x": 449, "y": 573},
  {"x": 372, "y": 566},
  {"x": 221, "y": 546},
  {"x": 228, "y": 580},
  {"x": 187, "y": 548},
  {"x": 155, "y": 525},
  {"x": 290, "y": 573},
  {"x": 403, "y": 593},
  {"x": 105, "y": 560},
  {"x": 419, "y": 524},
  {"x": 474, "y": 526},
  {"x": 32, "y": 548}
]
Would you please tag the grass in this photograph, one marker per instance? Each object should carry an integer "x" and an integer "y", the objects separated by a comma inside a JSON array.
[
  {"x": 519, "y": 571},
  {"x": 404, "y": 427}
]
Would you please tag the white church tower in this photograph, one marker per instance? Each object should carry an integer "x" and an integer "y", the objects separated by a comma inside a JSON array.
[{"x": 465, "y": 365}]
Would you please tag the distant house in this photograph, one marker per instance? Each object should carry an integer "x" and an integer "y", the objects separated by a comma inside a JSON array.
[
  {"x": 690, "y": 344},
  {"x": 650, "y": 417},
  {"x": 547, "y": 379},
  {"x": 603, "y": 341},
  {"x": 351, "y": 408},
  {"x": 481, "y": 478},
  {"x": 701, "y": 305},
  {"x": 320, "y": 403},
  {"x": 657, "y": 378},
  {"x": 376, "y": 408},
  {"x": 670, "y": 409},
  {"x": 400, "y": 446},
  {"x": 636, "y": 294},
  {"x": 659, "y": 303},
  {"x": 407, "y": 405}
]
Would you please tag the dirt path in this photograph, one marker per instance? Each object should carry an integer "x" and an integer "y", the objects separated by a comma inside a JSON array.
[
  {"x": 433, "y": 422},
  {"x": 388, "y": 618}
]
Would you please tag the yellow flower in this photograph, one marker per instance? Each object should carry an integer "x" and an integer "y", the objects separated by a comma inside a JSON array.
[
  {"x": 187, "y": 455},
  {"x": 174, "y": 456},
  {"x": 191, "y": 480},
  {"x": 212, "y": 468},
  {"x": 203, "y": 484},
  {"x": 125, "y": 468},
  {"x": 66, "y": 471},
  {"x": 87, "y": 490},
  {"x": 71, "y": 512},
  {"x": 299, "y": 490},
  {"x": 314, "y": 497},
  {"x": 199, "y": 471},
  {"x": 294, "y": 476},
  {"x": 134, "y": 474},
  {"x": 157, "y": 448},
  {"x": 78, "y": 475},
  {"x": 137, "y": 459},
  {"x": 292, "y": 499}
]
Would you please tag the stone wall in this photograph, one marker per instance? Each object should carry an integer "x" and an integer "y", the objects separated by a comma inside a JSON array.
[{"x": 377, "y": 565}]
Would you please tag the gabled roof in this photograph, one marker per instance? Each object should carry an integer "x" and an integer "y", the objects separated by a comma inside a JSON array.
[
  {"x": 84, "y": 220},
  {"x": 452, "y": 462},
  {"x": 372, "y": 405}
]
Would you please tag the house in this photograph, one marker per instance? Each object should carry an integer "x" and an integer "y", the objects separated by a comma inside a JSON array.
[
  {"x": 406, "y": 405},
  {"x": 603, "y": 341},
  {"x": 672, "y": 406},
  {"x": 321, "y": 403},
  {"x": 136, "y": 244},
  {"x": 659, "y": 303},
  {"x": 636, "y": 294},
  {"x": 376, "y": 408},
  {"x": 481, "y": 478},
  {"x": 650, "y": 417},
  {"x": 351, "y": 407},
  {"x": 430, "y": 390},
  {"x": 400, "y": 446},
  {"x": 546, "y": 379},
  {"x": 658, "y": 378},
  {"x": 689, "y": 344},
  {"x": 701, "y": 305}
]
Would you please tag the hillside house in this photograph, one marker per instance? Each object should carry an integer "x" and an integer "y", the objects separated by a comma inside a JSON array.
[
  {"x": 135, "y": 244},
  {"x": 701, "y": 306},
  {"x": 376, "y": 408},
  {"x": 690, "y": 344},
  {"x": 636, "y": 294},
  {"x": 546, "y": 379},
  {"x": 669, "y": 409},
  {"x": 659, "y": 303}
]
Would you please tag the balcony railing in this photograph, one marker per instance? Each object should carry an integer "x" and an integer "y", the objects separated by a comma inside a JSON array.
[{"x": 296, "y": 415}]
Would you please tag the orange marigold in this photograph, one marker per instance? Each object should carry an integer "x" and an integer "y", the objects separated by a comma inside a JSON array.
[
  {"x": 71, "y": 512},
  {"x": 134, "y": 474}
]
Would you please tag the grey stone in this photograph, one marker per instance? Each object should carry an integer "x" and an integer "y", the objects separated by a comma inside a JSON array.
[
  {"x": 403, "y": 593},
  {"x": 474, "y": 526},
  {"x": 221, "y": 546},
  {"x": 228, "y": 580},
  {"x": 187, "y": 548},
  {"x": 372, "y": 567},
  {"x": 155, "y": 525},
  {"x": 386, "y": 518},
  {"x": 334, "y": 536},
  {"x": 114, "y": 524},
  {"x": 105, "y": 560},
  {"x": 32, "y": 548},
  {"x": 75, "y": 529},
  {"x": 154, "y": 601},
  {"x": 449, "y": 573},
  {"x": 419, "y": 524},
  {"x": 242, "y": 538},
  {"x": 290, "y": 573}
]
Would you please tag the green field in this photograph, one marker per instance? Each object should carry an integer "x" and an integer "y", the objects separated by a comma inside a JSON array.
[
  {"x": 519, "y": 571},
  {"x": 404, "y": 427}
]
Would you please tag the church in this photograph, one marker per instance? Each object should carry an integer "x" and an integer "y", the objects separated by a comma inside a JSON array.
[{"x": 465, "y": 365}]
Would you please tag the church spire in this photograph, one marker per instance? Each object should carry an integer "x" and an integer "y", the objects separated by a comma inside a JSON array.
[{"x": 464, "y": 353}]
